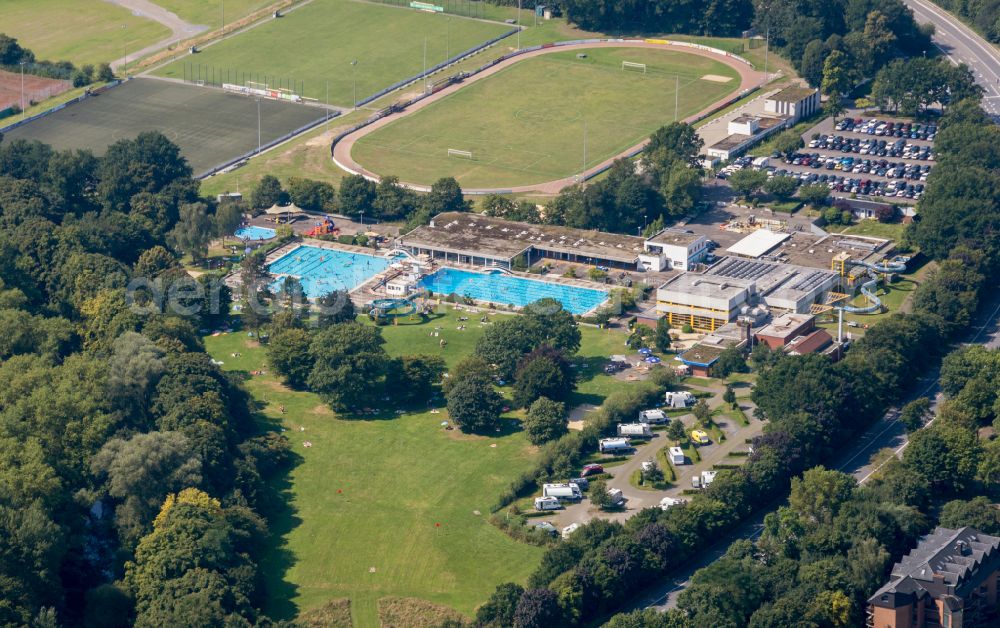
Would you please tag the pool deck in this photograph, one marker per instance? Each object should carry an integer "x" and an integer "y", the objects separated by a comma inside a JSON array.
[{"x": 369, "y": 290}]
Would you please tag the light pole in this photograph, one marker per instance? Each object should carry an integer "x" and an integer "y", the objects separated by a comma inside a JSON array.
[
  {"x": 125, "y": 52},
  {"x": 258, "y": 126},
  {"x": 22, "y": 89},
  {"x": 518, "y": 24},
  {"x": 362, "y": 218},
  {"x": 447, "y": 54},
  {"x": 425, "y": 65},
  {"x": 223, "y": 17},
  {"x": 354, "y": 79}
]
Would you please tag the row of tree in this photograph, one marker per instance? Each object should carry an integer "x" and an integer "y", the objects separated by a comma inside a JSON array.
[
  {"x": 717, "y": 17},
  {"x": 14, "y": 57},
  {"x": 132, "y": 468},
  {"x": 359, "y": 197}
]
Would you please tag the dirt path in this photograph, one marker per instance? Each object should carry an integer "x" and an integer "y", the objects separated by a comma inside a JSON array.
[
  {"x": 342, "y": 152},
  {"x": 179, "y": 29}
]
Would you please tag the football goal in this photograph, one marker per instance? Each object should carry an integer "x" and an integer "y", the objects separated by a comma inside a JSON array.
[
  {"x": 635, "y": 67},
  {"x": 462, "y": 154}
]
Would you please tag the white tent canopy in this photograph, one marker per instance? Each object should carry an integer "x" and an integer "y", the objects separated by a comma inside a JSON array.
[{"x": 758, "y": 243}]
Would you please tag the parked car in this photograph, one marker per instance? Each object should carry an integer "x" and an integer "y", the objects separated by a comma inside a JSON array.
[
  {"x": 700, "y": 437},
  {"x": 591, "y": 469}
]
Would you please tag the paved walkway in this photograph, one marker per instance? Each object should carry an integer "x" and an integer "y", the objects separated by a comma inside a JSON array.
[
  {"x": 638, "y": 499},
  {"x": 179, "y": 29},
  {"x": 342, "y": 151}
]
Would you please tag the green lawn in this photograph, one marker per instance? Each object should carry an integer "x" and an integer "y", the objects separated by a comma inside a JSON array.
[
  {"x": 81, "y": 31},
  {"x": 316, "y": 44},
  {"x": 526, "y": 124},
  {"x": 209, "y": 12},
  {"x": 876, "y": 229},
  {"x": 370, "y": 493}
]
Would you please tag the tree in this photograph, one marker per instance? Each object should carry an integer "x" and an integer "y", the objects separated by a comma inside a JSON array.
[
  {"x": 392, "y": 200},
  {"x": 315, "y": 196},
  {"x": 837, "y": 81},
  {"x": 812, "y": 62},
  {"x": 498, "y": 611},
  {"x": 350, "y": 365},
  {"x": 139, "y": 472},
  {"x": 537, "y": 608},
  {"x": 148, "y": 163},
  {"x": 542, "y": 374},
  {"x": 747, "y": 182},
  {"x": 445, "y": 196},
  {"x": 946, "y": 454},
  {"x": 545, "y": 421},
  {"x": 681, "y": 189},
  {"x": 787, "y": 142},
  {"x": 661, "y": 335},
  {"x": 676, "y": 431},
  {"x": 228, "y": 217},
  {"x": 135, "y": 367},
  {"x": 473, "y": 404},
  {"x": 335, "y": 307},
  {"x": 913, "y": 414},
  {"x": 814, "y": 193},
  {"x": 289, "y": 355},
  {"x": 193, "y": 231},
  {"x": 104, "y": 73},
  {"x": 730, "y": 361},
  {"x": 267, "y": 193},
  {"x": 978, "y": 512},
  {"x": 781, "y": 187},
  {"x": 816, "y": 497},
  {"x": 702, "y": 413},
  {"x": 730, "y": 395},
  {"x": 413, "y": 377},
  {"x": 598, "y": 493},
  {"x": 357, "y": 195}
]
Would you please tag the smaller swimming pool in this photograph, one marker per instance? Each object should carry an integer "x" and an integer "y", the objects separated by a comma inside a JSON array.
[
  {"x": 497, "y": 287},
  {"x": 323, "y": 270},
  {"x": 255, "y": 233}
]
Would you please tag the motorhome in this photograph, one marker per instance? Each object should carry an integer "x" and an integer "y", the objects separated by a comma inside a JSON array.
[
  {"x": 635, "y": 430},
  {"x": 569, "y": 492},
  {"x": 547, "y": 503},
  {"x": 653, "y": 417}
]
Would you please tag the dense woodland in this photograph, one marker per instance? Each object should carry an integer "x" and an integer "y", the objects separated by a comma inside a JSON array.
[{"x": 132, "y": 468}]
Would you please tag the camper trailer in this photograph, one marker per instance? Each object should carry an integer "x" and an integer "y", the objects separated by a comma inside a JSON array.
[
  {"x": 653, "y": 417},
  {"x": 547, "y": 503},
  {"x": 677, "y": 456},
  {"x": 614, "y": 446},
  {"x": 569, "y": 492},
  {"x": 635, "y": 430},
  {"x": 703, "y": 480},
  {"x": 617, "y": 497}
]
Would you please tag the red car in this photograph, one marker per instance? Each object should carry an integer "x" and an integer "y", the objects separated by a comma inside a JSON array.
[{"x": 591, "y": 469}]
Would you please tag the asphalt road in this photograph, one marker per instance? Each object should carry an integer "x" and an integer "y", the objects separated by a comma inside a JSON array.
[{"x": 960, "y": 44}]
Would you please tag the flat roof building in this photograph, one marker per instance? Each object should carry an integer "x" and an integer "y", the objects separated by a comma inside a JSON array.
[
  {"x": 702, "y": 301},
  {"x": 796, "y": 102},
  {"x": 744, "y": 132},
  {"x": 783, "y": 329},
  {"x": 673, "y": 248},
  {"x": 479, "y": 240},
  {"x": 758, "y": 243},
  {"x": 783, "y": 287}
]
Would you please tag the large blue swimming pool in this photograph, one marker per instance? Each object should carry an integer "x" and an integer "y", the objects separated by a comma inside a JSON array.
[
  {"x": 254, "y": 233},
  {"x": 322, "y": 271},
  {"x": 497, "y": 287}
]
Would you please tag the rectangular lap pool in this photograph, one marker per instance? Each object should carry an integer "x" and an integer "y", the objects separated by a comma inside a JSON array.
[
  {"x": 322, "y": 271},
  {"x": 497, "y": 287}
]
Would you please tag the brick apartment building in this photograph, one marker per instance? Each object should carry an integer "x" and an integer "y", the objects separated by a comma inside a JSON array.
[{"x": 948, "y": 580}]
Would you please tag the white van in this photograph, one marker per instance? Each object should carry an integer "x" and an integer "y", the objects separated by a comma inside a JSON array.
[{"x": 547, "y": 503}]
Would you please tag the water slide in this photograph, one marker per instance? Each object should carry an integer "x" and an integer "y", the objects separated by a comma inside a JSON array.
[
  {"x": 398, "y": 307},
  {"x": 868, "y": 288}
]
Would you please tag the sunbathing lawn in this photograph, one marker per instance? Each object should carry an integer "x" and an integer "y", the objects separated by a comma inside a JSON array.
[{"x": 384, "y": 506}]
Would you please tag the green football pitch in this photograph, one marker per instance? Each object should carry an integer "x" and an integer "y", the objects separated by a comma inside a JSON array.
[
  {"x": 313, "y": 47},
  {"x": 534, "y": 121},
  {"x": 80, "y": 31}
]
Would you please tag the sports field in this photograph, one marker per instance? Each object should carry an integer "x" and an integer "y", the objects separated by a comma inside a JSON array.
[
  {"x": 386, "y": 506},
  {"x": 210, "y": 126},
  {"x": 527, "y": 123},
  {"x": 81, "y": 31},
  {"x": 316, "y": 44}
]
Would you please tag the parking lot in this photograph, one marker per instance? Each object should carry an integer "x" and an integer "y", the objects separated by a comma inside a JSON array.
[{"x": 879, "y": 158}]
